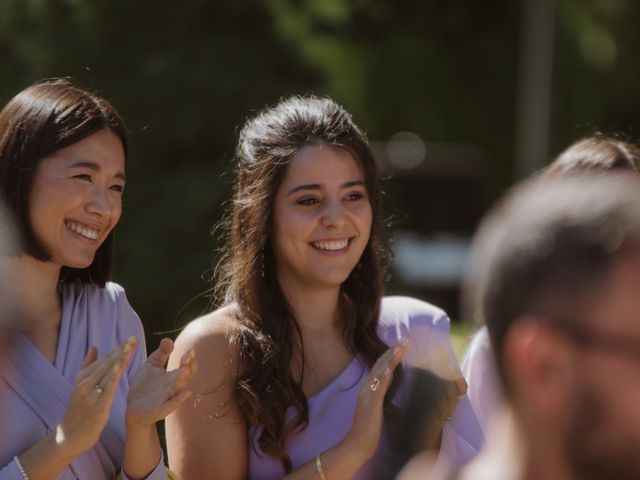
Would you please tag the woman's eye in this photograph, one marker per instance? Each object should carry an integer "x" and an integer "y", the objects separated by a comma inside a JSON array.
[
  {"x": 83, "y": 176},
  {"x": 355, "y": 196},
  {"x": 307, "y": 201},
  {"x": 118, "y": 188}
]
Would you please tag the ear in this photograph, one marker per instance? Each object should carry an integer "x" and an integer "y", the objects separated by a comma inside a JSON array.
[{"x": 539, "y": 364}]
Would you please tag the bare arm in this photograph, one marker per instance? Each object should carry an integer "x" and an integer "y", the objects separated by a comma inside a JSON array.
[
  {"x": 207, "y": 436},
  {"x": 154, "y": 393}
]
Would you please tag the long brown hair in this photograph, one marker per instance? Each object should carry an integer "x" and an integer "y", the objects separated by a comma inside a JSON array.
[{"x": 267, "y": 333}]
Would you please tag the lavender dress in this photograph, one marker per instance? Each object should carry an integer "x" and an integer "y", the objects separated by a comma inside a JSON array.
[
  {"x": 331, "y": 410},
  {"x": 34, "y": 394}
]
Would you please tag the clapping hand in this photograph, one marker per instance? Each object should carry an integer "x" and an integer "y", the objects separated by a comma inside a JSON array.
[
  {"x": 154, "y": 393},
  {"x": 368, "y": 418},
  {"x": 90, "y": 404}
]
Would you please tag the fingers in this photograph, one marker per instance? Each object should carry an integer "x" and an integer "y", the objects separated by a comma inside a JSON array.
[
  {"x": 96, "y": 365},
  {"x": 107, "y": 386},
  {"x": 174, "y": 402},
  {"x": 116, "y": 359},
  {"x": 450, "y": 394},
  {"x": 188, "y": 358},
  {"x": 92, "y": 356},
  {"x": 400, "y": 352},
  {"x": 381, "y": 373},
  {"x": 160, "y": 356},
  {"x": 390, "y": 359},
  {"x": 105, "y": 380},
  {"x": 188, "y": 368},
  {"x": 461, "y": 387}
]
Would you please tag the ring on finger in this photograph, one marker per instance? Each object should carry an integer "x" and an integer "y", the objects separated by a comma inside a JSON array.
[
  {"x": 99, "y": 389},
  {"x": 446, "y": 418},
  {"x": 375, "y": 383}
]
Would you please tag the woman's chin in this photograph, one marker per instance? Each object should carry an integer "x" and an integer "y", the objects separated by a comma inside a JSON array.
[{"x": 78, "y": 263}]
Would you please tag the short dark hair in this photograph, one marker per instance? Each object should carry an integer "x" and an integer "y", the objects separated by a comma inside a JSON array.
[
  {"x": 38, "y": 121},
  {"x": 597, "y": 153},
  {"x": 548, "y": 243}
]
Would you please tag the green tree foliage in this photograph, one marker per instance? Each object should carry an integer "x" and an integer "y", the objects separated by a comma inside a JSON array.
[{"x": 185, "y": 75}]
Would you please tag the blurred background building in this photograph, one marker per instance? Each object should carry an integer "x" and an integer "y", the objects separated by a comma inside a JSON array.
[{"x": 459, "y": 97}]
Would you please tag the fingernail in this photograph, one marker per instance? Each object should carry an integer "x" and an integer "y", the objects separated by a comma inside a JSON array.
[
  {"x": 115, "y": 368},
  {"x": 192, "y": 354},
  {"x": 129, "y": 344}
]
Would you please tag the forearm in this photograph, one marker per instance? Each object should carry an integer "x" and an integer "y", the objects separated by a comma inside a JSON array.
[
  {"x": 142, "y": 452},
  {"x": 45, "y": 460},
  {"x": 341, "y": 461}
]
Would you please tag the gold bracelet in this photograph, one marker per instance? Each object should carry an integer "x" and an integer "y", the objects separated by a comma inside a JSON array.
[{"x": 319, "y": 467}]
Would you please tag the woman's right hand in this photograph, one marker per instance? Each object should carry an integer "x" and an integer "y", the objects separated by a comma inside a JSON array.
[
  {"x": 90, "y": 405},
  {"x": 366, "y": 428}
]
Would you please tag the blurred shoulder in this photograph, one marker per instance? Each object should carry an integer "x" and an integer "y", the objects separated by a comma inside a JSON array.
[
  {"x": 426, "y": 327},
  {"x": 408, "y": 312}
]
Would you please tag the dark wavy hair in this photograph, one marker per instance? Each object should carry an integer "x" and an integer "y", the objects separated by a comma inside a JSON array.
[
  {"x": 38, "y": 121},
  {"x": 267, "y": 333}
]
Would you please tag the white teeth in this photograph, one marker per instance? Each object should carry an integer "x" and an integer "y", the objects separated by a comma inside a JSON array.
[
  {"x": 84, "y": 231},
  {"x": 333, "y": 245}
]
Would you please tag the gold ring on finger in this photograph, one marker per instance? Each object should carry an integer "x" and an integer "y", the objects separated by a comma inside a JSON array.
[
  {"x": 375, "y": 383},
  {"x": 99, "y": 389}
]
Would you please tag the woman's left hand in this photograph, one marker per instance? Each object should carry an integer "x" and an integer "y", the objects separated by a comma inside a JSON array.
[{"x": 154, "y": 393}]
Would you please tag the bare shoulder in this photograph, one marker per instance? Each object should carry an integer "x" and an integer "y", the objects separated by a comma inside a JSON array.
[
  {"x": 207, "y": 434},
  {"x": 211, "y": 337},
  {"x": 208, "y": 330}
]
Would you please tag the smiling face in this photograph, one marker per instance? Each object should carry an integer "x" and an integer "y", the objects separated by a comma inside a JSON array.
[
  {"x": 321, "y": 218},
  {"x": 76, "y": 198}
]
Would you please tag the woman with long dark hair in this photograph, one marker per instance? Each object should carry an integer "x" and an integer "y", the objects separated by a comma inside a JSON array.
[
  {"x": 79, "y": 400},
  {"x": 302, "y": 371}
]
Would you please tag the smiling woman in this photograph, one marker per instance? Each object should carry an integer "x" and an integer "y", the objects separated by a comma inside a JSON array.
[
  {"x": 68, "y": 413},
  {"x": 76, "y": 198},
  {"x": 320, "y": 229},
  {"x": 302, "y": 374}
]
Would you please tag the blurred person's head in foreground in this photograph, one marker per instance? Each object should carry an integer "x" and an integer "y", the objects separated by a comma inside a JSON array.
[
  {"x": 598, "y": 153},
  {"x": 555, "y": 274}
]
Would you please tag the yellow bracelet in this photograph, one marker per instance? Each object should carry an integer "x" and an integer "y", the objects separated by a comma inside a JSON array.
[{"x": 319, "y": 467}]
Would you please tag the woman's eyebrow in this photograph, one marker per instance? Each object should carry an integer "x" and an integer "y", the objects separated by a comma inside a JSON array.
[
  {"x": 316, "y": 186},
  {"x": 95, "y": 167}
]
